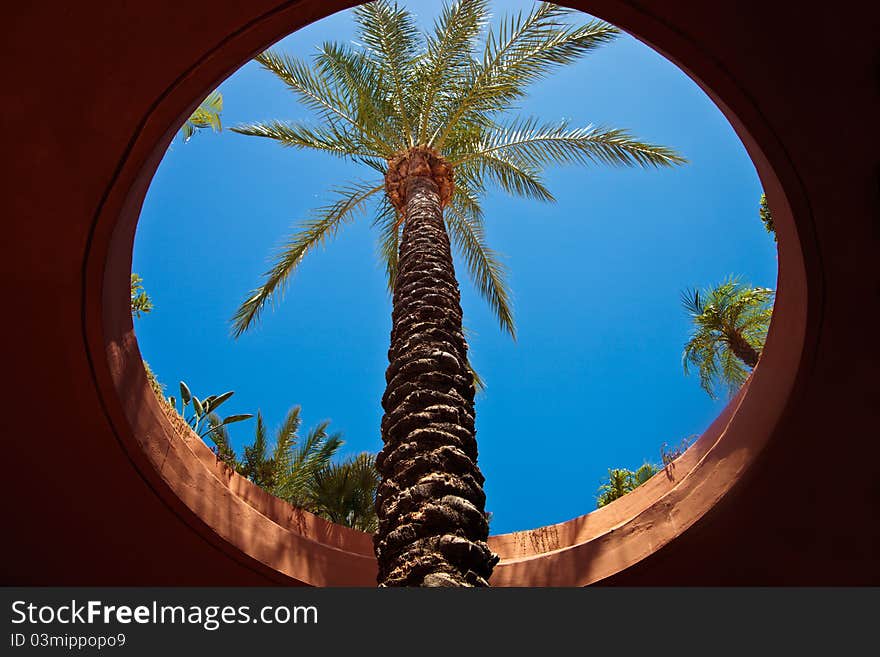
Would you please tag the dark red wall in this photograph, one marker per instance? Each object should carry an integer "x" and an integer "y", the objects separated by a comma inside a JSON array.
[{"x": 82, "y": 83}]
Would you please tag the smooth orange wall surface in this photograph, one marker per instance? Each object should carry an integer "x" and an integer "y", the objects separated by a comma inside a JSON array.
[{"x": 102, "y": 487}]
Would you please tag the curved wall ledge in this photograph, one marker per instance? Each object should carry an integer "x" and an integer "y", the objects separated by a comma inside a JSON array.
[
  {"x": 138, "y": 500},
  {"x": 306, "y": 550}
]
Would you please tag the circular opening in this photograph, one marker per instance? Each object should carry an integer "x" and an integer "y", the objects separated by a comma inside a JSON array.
[{"x": 306, "y": 549}]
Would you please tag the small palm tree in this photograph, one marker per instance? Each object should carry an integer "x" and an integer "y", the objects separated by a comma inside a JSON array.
[
  {"x": 766, "y": 217},
  {"x": 285, "y": 468},
  {"x": 206, "y": 115},
  {"x": 619, "y": 484},
  {"x": 428, "y": 113},
  {"x": 622, "y": 481},
  {"x": 730, "y": 323},
  {"x": 345, "y": 493}
]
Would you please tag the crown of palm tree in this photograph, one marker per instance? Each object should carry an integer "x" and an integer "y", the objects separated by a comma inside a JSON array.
[
  {"x": 402, "y": 89},
  {"x": 722, "y": 314}
]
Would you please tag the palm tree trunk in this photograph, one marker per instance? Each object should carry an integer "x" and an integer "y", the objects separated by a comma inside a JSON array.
[
  {"x": 743, "y": 350},
  {"x": 430, "y": 504}
]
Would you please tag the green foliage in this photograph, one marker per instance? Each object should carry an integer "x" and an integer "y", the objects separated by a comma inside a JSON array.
[
  {"x": 140, "y": 300},
  {"x": 401, "y": 88},
  {"x": 300, "y": 470},
  {"x": 766, "y": 217},
  {"x": 203, "y": 418},
  {"x": 158, "y": 388},
  {"x": 286, "y": 468},
  {"x": 721, "y": 316},
  {"x": 622, "y": 481},
  {"x": 206, "y": 115},
  {"x": 345, "y": 492}
]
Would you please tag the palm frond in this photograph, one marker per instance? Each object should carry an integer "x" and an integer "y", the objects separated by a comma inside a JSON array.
[
  {"x": 285, "y": 440},
  {"x": 345, "y": 492},
  {"x": 702, "y": 352},
  {"x": 328, "y": 139},
  {"x": 537, "y": 145},
  {"x": 255, "y": 465},
  {"x": 389, "y": 32},
  {"x": 448, "y": 56},
  {"x": 312, "y": 233},
  {"x": 311, "y": 86},
  {"x": 510, "y": 174},
  {"x": 486, "y": 270},
  {"x": 524, "y": 49},
  {"x": 723, "y": 315},
  {"x": 479, "y": 381},
  {"x": 388, "y": 222},
  {"x": 690, "y": 299},
  {"x": 304, "y": 460},
  {"x": 206, "y": 115},
  {"x": 362, "y": 85},
  {"x": 469, "y": 188},
  {"x": 731, "y": 371}
]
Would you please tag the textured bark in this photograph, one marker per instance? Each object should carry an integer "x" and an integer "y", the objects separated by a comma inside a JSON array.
[
  {"x": 743, "y": 350},
  {"x": 430, "y": 504}
]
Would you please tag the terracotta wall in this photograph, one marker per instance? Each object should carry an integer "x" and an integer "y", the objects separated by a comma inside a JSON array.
[{"x": 95, "y": 90}]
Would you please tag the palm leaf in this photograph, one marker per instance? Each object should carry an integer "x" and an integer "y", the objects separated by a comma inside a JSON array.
[
  {"x": 537, "y": 145},
  {"x": 308, "y": 457},
  {"x": 509, "y": 173},
  {"x": 285, "y": 440},
  {"x": 326, "y": 139},
  {"x": 345, "y": 492},
  {"x": 312, "y": 88},
  {"x": 312, "y": 233},
  {"x": 487, "y": 271},
  {"x": 360, "y": 83},
  {"x": 389, "y": 32}
]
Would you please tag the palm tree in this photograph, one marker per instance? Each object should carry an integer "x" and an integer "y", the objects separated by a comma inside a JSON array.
[
  {"x": 428, "y": 113},
  {"x": 619, "y": 484},
  {"x": 285, "y": 468},
  {"x": 622, "y": 481},
  {"x": 140, "y": 300},
  {"x": 730, "y": 323},
  {"x": 206, "y": 115},
  {"x": 345, "y": 493},
  {"x": 766, "y": 217}
]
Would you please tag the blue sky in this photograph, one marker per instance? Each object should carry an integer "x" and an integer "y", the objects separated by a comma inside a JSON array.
[{"x": 594, "y": 380}]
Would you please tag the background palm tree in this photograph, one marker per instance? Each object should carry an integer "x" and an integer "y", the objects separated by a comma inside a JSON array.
[
  {"x": 345, "y": 493},
  {"x": 140, "y": 300},
  {"x": 285, "y": 467},
  {"x": 622, "y": 481},
  {"x": 302, "y": 473},
  {"x": 429, "y": 114},
  {"x": 730, "y": 323},
  {"x": 766, "y": 217}
]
